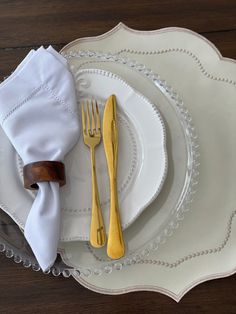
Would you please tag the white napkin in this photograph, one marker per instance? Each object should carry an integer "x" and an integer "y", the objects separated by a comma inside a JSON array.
[{"x": 38, "y": 112}]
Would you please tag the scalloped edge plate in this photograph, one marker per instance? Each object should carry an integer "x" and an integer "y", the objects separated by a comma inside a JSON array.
[{"x": 170, "y": 271}]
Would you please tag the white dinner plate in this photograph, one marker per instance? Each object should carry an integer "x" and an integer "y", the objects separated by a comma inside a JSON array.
[{"x": 142, "y": 164}]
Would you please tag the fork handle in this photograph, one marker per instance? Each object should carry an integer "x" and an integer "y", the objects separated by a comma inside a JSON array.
[
  {"x": 97, "y": 227},
  {"x": 115, "y": 245}
]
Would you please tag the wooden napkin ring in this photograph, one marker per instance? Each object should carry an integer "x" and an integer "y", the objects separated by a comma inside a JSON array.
[{"x": 43, "y": 171}]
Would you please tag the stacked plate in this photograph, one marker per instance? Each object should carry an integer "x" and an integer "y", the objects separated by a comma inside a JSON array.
[
  {"x": 158, "y": 168},
  {"x": 148, "y": 133}
]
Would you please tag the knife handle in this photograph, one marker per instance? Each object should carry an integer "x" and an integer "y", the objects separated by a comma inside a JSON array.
[{"x": 115, "y": 244}]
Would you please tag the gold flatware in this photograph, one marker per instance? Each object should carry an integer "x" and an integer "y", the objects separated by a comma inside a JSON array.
[
  {"x": 92, "y": 137},
  {"x": 115, "y": 245}
]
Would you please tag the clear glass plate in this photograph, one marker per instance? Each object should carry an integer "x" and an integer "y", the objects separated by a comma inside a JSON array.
[{"x": 163, "y": 215}]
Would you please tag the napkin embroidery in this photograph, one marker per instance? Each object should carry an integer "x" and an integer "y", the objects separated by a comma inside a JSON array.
[
  {"x": 61, "y": 101},
  {"x": 34, "y": 92}
]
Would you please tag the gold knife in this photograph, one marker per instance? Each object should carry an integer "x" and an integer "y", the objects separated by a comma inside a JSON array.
[{"x": 115, "y": 244}]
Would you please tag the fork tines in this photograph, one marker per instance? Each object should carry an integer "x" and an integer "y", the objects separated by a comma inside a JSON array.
[{"x": 93, "y": 125}]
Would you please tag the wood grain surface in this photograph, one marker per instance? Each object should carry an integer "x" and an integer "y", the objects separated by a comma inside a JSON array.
[{"x": 26, "y": 24}]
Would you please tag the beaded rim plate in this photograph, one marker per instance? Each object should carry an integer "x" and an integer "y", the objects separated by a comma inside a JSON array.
[
  {"x": 192, "y": 175},
  {"x": 88, "y": 260}
]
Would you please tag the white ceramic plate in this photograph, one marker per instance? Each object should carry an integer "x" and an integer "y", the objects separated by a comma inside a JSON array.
[{"x": 141, "y": 170}]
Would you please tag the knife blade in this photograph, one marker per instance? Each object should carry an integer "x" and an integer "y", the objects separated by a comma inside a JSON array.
[{"x": 115, "y": 244}]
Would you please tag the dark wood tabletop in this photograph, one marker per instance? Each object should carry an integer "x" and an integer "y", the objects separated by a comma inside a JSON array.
[{"x": 28, "y": 24}]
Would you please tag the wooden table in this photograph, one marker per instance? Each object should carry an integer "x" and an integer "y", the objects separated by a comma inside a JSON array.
[{"x": 27, "y": 24}]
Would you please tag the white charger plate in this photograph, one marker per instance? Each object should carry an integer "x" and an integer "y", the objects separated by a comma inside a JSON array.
[
  {"x": 204, "y": 247},
  {"x": 142, "y": 162}
]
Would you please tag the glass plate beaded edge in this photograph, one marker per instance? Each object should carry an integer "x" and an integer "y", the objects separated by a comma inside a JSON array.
[{"x": 28, "y": 260}]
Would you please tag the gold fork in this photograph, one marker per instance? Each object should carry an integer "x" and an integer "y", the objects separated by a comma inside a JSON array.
[{"x": 92, "y": 137}]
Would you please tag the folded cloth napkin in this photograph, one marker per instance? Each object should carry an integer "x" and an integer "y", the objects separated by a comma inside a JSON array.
[{"x": 38, "y": 113}]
